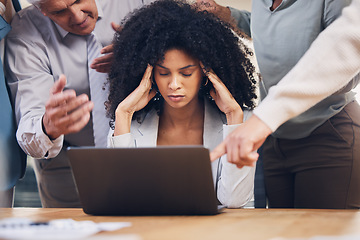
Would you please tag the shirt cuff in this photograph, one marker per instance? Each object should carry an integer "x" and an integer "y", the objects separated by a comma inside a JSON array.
[
  {"x": 228, "y": 129},
  {"x": 121, "y": 141},
  {"x": 2, "y": 9},
  {"x": 50, "y": 149}
]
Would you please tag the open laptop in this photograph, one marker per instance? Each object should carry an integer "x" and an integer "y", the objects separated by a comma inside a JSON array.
[{"x": 174, "y": 180}]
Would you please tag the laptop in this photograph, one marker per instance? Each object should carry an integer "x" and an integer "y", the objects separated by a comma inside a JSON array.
[{"x": 171, "y": 180}]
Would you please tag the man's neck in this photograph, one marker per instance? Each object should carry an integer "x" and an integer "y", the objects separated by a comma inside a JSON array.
[{"x": 275, "y": 4}]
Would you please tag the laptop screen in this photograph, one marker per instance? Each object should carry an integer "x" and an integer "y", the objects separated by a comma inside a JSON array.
[{"x": 172, "y": 180}]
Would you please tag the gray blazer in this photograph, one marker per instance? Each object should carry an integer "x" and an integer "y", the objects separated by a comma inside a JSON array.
[{"x": 234, "y": 186}]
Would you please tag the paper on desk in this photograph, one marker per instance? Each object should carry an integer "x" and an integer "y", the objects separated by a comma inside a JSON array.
[
  {"x": 343, "y": 237},
  {"x": 24, "y": 228}
]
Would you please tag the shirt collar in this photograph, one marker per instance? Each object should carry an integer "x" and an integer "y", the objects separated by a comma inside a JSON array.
[
  {"x": 284, "y": 4},
  {"x": 63, "y": 33}
]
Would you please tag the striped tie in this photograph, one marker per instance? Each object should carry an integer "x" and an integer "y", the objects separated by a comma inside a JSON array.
[{"x": 98, "y": 94}]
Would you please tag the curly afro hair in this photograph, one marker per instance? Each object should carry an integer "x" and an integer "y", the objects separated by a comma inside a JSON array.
[{"x": 149, "y": 32}]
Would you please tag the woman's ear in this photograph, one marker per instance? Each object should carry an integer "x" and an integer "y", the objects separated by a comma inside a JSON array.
[
  {"x": 203, "y": 69},
  {"x": 205, "y": 80},
  {"x": 153, "y": 82}
]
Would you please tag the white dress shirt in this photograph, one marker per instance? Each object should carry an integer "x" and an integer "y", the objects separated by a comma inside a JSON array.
[{"x": 38, "y": 51}]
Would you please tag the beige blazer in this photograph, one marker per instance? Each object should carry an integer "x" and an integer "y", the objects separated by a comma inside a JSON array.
[{"x": 234, "y": 186}]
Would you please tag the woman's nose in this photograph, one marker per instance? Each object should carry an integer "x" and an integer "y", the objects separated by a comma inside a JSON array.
[{"x": 174, "y": 84}]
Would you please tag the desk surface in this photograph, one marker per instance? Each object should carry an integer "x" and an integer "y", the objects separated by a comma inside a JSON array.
[{"x": 249, "y": 224}]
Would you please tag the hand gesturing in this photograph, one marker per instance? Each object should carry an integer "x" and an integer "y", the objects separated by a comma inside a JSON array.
[{"x": 64, "y": 111}]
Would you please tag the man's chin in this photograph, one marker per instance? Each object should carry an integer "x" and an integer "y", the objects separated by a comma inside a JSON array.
[{"x": 84, "y": 31}]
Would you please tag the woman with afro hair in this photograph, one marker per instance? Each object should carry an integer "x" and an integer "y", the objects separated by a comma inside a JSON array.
[{"x": 181, "y": 76}]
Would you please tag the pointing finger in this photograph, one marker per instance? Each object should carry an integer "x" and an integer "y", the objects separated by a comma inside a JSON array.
[{"x": 218, "y": 151}]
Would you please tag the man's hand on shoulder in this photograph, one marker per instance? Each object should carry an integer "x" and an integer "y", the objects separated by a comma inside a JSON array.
[{"x": 103, "y": 64}]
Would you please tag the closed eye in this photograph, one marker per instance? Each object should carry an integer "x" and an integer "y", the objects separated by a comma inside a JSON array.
[
  {"x": 58, "y": 12},
  {"x": 186, "y": 75}
]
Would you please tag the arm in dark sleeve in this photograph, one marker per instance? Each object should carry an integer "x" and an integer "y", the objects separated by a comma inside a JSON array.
[{"x": 242, "y": 19}]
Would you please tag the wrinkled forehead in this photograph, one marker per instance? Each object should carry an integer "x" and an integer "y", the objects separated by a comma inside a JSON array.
[{"x": 55, "y": 5}]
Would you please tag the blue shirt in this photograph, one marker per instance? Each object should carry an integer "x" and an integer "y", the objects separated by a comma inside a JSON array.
[{"x": 12, "y": 159}]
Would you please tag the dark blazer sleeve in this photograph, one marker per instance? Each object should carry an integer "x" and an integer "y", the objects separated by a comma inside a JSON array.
[
  {"x": 242, "y": 19},
  {"x": 12, "y": 158}
]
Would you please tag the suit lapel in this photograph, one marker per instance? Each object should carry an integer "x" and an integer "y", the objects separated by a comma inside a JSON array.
[
  {"x": 213, "y": 126},
  {"x": 147, "y": 131}
]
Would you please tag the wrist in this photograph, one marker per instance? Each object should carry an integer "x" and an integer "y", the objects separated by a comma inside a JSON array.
[
  {"x": 47, "y": 133},
  {"x": 260, "y": 125},
  {"x": 235, "y": 116},
  {"x": 2, "y": 8},
  {"x": 122, "y": 122}
]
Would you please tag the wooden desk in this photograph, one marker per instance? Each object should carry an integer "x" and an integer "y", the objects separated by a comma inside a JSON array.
[{"x": 249, "y": 224}]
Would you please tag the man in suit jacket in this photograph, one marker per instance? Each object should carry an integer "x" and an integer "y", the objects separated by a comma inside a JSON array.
[{"x": 12, "y": 159}]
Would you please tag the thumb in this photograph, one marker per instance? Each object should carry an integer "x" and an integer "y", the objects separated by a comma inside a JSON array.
[
  {"x": 59, "y": 84},
  {"x": 218, "y": 151}
]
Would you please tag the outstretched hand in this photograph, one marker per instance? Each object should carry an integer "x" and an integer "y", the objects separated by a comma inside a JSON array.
[
  {"x": 64, "y": 111},
  {"x": 224, "y": 99},
  {"x": 136, "y": 101},
  {"x": 241, "y": 145},
  {"x": 103, "y": 63}
]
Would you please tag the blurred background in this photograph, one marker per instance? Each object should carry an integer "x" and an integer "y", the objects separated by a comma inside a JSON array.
[{"x": 240, "y": 4}]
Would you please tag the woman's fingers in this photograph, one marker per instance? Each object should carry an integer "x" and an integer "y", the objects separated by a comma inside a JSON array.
[
  {"x": 145, "y": 83},
  {"x": 141, "y": 96}
]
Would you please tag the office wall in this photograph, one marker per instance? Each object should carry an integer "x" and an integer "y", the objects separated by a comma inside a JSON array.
[{"x": 240, "y": 4}]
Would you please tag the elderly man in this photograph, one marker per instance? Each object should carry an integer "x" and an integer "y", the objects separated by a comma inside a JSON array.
[{"x": 58, "y": 98}]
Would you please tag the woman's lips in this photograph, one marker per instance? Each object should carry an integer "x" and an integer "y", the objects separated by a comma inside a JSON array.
[{"x": 175, "y": 98}]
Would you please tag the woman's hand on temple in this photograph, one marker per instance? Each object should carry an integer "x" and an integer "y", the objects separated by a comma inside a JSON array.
[
  {"x": 224, "y": 99},
  {"x": 136, "y": 101}
]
